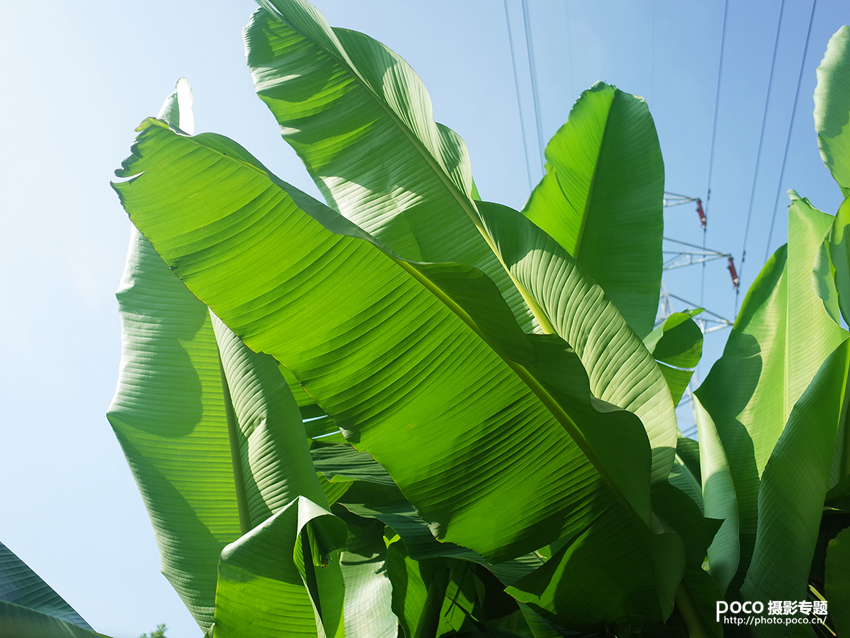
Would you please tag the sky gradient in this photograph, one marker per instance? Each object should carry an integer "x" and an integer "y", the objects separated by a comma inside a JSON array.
[{"x": 77, "y": 79}]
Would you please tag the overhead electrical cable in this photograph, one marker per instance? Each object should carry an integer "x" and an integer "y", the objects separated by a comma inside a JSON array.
[
  {"x": 790, "y": 129},
  {"x": 533, "y": 71},
  {"x": 518, "y": 99},
  {"x": 568, "y": 31},
  {"x": 713, "y": 139},
  {"x": 758, "y": 153}
]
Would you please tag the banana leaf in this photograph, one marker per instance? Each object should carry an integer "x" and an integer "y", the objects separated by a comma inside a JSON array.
[
  {"x": 779, "y": 341},
  {"x": 30, "y": 608},
  {"x": 422, "y": 365},
  {"x": 361, "y": 121},
  {"x": 832, "y": 108},
  {"x": 602, "y": 198},
  {"x": 210, "y": 430},
  {"x": 793, "y": 488}
]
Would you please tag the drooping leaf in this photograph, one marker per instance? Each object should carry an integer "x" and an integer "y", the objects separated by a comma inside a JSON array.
[
  {"x": 688, "y": 450},
  {"x": 401, "y": 361},
  {"x": 17, "y": 621},
  {"x": 838, "y": 581},
  {"x": 719, "y": 500},
  {"x": 685, "y": 474},
  {"x": 697, "y": 533},
  {"x": 273, "y": 465},
  {"x": 211, "y": 433},
  {"x": 793, "y": 488},
  {"x": 21, "y": 586},
  {"x": 779, "y": 341},
  {"x": 832, "y": 108},
  {"x": 418, "y": 592},
  {"x": 677, "y": 346},
  {"x": 368, "y": 590},
  {"x": 361, "y": 121},
  {"x": 602, "y": 196},
  {"x": 274, "y": 580},
  {"x": 683, "y": 479},
  {"x": 677, "y": 341},
  {"x": 838, "y": 250}
]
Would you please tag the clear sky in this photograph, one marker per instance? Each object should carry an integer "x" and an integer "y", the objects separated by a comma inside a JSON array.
[{"x": 78, "y": 77}]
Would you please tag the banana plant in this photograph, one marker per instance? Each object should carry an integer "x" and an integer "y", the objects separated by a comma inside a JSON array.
[
  {"x": 772, "y": 411},
  {"x": 470, "y": 407},
  {"x": 411, "y": 411}
]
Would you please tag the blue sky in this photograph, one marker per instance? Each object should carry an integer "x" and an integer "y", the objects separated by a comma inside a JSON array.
[{"x": 77, "y": 78}]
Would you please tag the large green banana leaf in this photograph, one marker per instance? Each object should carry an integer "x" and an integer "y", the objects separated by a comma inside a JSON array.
[
  {"x": 17, "y": 621},
  {"x": 211, "y": 432},
  {"x": 361, "y": 120},
  {"x": 719, "y": 500},
  {"x": 781, "y": 337},
  {"x": 22, "y": 586},
  {"x": 30, "y": 608},
  {"x": 602, "y": 198},
  {"x": 492, "y": 434},
  {"x": 621, "y": 370},
  {"x": 832, "y": 108},
  {"x": 793, "y": 488}
]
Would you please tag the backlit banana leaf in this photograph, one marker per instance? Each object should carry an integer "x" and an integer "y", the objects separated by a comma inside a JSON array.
[
  {"x": 602, "y": 198},
  {"x": 492, "y": 434},
  {"x": 361, "y": 120},
  {"x": 832, "y": 108},
  {"x": 677, "y": 346},
  {"x": 210, "y": 430},
  {"x": 622, "y": 372},
  {"x": 781, "y": 337},
  {"x": 793, "y": 488},
  {"x": 837, "y": 279}
]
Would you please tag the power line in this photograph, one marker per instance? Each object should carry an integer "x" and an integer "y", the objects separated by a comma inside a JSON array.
[
  {"x": 518, "y": 100},
  {"x": 532, "y": 69},
  {"x": 714, "y": 137},
  {"x": 758, "y": 154},
  {"x": 790, "y": 128}
]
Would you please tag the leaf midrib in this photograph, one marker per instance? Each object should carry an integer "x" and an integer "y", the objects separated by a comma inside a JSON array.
[{"x": 592, "y": 188}]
